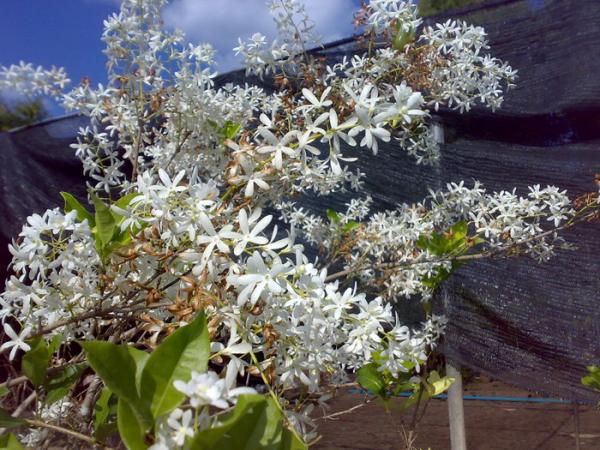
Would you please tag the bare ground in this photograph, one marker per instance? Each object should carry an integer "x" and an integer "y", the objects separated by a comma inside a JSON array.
[{"x": 490, "y": 425}]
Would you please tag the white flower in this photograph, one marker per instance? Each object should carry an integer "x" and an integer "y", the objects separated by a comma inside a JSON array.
[
  {"x": 408, "y": 105},
  {"x": 258, "y": 279},
  {"x": 181, "y": 421},
  {"x": 371, "y": 128},
  {"x": 16, "y": 342},
  {"x": 314, "y": 101},
  {"x": 340, "y": 303},
  {"x": 247, "y": 236},
  {"x": 204, "y": 389},
  {"x": 277, "y": 146},
  {"x": 208, "y": 389}
]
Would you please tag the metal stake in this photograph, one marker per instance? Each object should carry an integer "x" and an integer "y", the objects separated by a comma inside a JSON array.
[
  {"x": 576, "y": 421},
  {"x": 456, "y": 412}
]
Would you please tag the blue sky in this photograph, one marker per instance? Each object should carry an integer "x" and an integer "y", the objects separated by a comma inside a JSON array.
[{"x": 67, "y": 32}]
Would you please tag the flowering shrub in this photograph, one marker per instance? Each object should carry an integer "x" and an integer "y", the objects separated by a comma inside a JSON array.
[{"x": 176, "y": 313}]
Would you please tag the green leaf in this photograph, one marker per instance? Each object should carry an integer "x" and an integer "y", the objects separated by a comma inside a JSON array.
[
  {"x": 592, "y": 379},
  {"x": 459, "y": 230},
  {"x": 255, "y": 423},
  {"x": 72, "y": 204},
  {"x": 185, "y": 350},
  {"x": 35, "y": 361},
  {"x": 371, "y": 379},
  {"x": 140, "y": 357},
  {"x": 436, "y": 384},
  {"x": 230, "y": 129},
  {"x": 452, "y": 241},
  {"x": 9, "y": 442},
  {"x": 60, "y": 384},
  {"x": 117, "y": 366},
  {"x": 123, "y": 203},
  {"x": 105, "y": 411},
  {"x": 8, "y": 421},
  {"x": 131, "y": 428},
  {"x": 102, "y": 407},
  {"x": 4, "y": 391},
  {"x": 105, "y": 222},
  {"x": 333, "y": 216},
  {"x": 56, "y": 394},
  {"x": 402, "y": 38},
  {"x": 351, "y": 225}
]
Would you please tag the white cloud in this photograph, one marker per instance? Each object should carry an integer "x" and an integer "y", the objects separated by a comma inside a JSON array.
[{"x": 221, "y": 22}]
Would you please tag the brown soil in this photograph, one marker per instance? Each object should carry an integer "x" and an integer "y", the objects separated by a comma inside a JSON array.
[{"x": 490, "y": 425}]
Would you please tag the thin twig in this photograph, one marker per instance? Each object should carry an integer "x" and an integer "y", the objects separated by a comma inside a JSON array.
[
  {"x": 472, "y": 256},
  {"x": 346, "y": 411},
  {"x": 14, "y": 381},
  {"x": 23, "y": 406},
  {"x": 75, "y": 434},
  {"x": 86, "y": 406}
]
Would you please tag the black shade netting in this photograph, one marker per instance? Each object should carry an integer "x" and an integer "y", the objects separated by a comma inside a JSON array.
[{"x": 528, "y": 324}]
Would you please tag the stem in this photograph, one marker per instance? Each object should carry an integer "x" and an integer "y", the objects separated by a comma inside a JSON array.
[
  {"x": 273, "y": 395},
  {"x": 346, "y": 411},
  {"x": 59, "y": 429},
  {"x": 472, "y": 256},
  {"x": 100, "y": 313},
  {"x": 86, "y": 406},
  {"x": 14, "y": 381},
  {"x": 23, "y": 406}
]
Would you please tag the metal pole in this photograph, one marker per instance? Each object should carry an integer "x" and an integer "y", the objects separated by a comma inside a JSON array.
[
  {"x": 456, "y": 412},
  {"x": 576, "y": 420}
]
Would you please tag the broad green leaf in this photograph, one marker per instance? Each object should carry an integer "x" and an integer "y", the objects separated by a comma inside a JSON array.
[
  {"x": 459, "y": 230},
  {"x": 10, "y": 442},
  {"x": 35, "y": 361},
  {"x": 60, "y": 384},
  {"x": 371, "y": 379},
  {"x": 592, "y": 379},
  {"x": 140, "y": 357},
  {"x": 333, "y": 216},
  {"x": 352, "y": 225},
  {"x": 56, "y": 394},
  {"x": 8, "y": 421},
  {"x": 72, "y": 204},
  {"x": 402, "y": 38},
  {"x": 255, "y": 423},
  {"x": 436, "y": 384},
  {"x": 105, "y": 411},
  {"x": 105, "y": 222},
  {"x": 123, "y": 203},
  {"x": 106, "y": 430},
  {"x": 4, "y": 391},
  {"x": 185, "y": 350},
  {"x": 230, "y": 129},
  {"x": 131, "y": 428},
  {"x": 102, "y": 407},
  {"x": 117, "y": 367}
]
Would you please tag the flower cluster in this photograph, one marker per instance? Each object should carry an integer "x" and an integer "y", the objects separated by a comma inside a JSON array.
[
  {"x": 30, "y": 80},
  {"x": 386, "y": 247},
  {"x": 186, "y": 179}
]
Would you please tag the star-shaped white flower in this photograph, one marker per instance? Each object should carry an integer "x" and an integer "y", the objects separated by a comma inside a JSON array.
[{"x": 17, "y": 341}]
